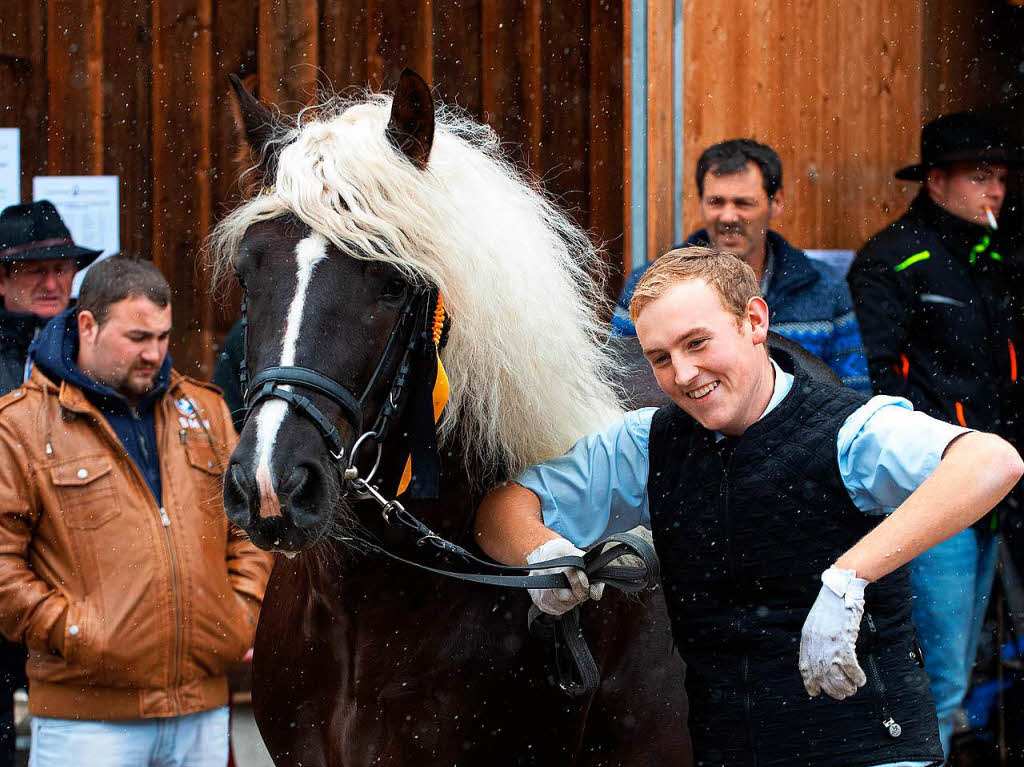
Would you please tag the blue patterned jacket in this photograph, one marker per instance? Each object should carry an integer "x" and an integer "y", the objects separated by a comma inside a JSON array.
[{"x": 808, "y": 304}]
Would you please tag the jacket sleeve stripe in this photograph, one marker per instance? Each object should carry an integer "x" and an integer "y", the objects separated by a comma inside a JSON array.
[{"x": 924, "y": 255}]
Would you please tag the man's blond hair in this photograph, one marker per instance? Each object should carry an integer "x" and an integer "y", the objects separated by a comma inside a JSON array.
[{"x": 731, "y": 278}]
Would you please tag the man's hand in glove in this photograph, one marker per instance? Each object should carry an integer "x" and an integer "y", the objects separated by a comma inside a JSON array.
[
  {"x": 828, "y": 658},
  {"x": 558, "y": 601}
]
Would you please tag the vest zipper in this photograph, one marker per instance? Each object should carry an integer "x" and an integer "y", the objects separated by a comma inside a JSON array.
[
  {"x": 890, "y": 724},
  {"x": 723, "y": 495},
  {"x": 747, "y": 708}
]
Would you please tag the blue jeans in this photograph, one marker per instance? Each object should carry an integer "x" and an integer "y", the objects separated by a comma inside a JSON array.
[
  {"x": 195, "y": 740},
  {"x": 951, "y": 585}
]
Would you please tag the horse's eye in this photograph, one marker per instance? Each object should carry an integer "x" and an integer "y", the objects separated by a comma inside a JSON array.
[{"x": 393, "y": 290}]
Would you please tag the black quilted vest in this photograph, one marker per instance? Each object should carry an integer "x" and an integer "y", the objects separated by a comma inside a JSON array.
[{"x": 744, "y": 528}]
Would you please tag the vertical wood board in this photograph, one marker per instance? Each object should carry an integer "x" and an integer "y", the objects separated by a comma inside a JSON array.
[
  {"x": 182, "y": 201},
  {"x": 565, "y": 105},
  {"x": 835, "y": 90},
  {"x": 23, "y": 85},
  {"x": 606, "y": 138},
  {"x": 660, "y": 131}
]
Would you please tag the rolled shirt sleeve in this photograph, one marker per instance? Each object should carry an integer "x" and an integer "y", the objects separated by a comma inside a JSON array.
[
  {"x": 886, "y": 450},
  {"x": 600, "y": 486}
]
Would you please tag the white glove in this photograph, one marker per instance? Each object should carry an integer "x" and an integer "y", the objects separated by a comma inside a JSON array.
[
  {"x": 828, "y": 657},
  {"x": 558, "y": 601}
]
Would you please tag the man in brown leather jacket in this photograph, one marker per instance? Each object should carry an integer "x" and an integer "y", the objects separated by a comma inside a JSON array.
[{"x": 117, "y": 566}]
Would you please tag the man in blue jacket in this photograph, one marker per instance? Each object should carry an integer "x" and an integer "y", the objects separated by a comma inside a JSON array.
[{"x": 739, "y": 183}]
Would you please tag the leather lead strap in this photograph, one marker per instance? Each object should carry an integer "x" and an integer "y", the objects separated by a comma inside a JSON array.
[{"x": 574, "y": 663}]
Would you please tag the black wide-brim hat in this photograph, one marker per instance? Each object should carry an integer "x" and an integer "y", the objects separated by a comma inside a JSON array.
[
  {"x": 961, "y": 137},
  {"x": 35, "y": 232}
]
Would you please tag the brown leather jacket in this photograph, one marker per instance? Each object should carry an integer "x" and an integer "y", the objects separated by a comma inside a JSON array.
[{"x": 128, "y": 610}]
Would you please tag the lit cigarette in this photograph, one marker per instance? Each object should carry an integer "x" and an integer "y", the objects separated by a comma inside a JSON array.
[{"x": 991, "y": 218}]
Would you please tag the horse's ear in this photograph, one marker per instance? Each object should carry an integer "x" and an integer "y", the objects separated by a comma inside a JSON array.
[
  {"x": 411, "y": 127},
  {"x": 262, "y": 129}
]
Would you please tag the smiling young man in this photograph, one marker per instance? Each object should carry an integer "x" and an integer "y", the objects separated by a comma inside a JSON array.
[
  {"x": 117, "y": 567},
  {"x": 941, "y": 326},
  {"x": 763, "y": 489},
  {"x": 740, "y": 193}
]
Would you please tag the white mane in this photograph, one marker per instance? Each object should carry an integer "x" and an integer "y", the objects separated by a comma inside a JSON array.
[{"x": 529, "y": 373}]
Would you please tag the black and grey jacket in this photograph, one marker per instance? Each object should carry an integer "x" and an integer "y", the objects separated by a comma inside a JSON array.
[
  {"x": 744, "y": 528},
  {"x": 939, "y": 318},
  {"x": 16, "y": 334}
]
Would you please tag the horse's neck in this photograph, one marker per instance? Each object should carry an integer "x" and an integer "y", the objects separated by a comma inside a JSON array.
[{"x": 460, "y": 492}]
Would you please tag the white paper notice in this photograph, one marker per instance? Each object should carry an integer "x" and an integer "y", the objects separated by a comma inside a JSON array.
[
  {"x": 10, "y": 167},
  {"x": 89, "y": 207}
]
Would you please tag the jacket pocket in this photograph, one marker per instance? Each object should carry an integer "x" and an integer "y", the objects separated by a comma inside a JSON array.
[
  {"x": 876, "y": 676},
  {"x": 201, "y": 453},
  {"x": 936, "y": 298},
  {"x": 78, "y": 638},
  {"x": 221, "y": 634},
  {"x": 86, "y": 492},
  {"x": 206, "y": 470}
]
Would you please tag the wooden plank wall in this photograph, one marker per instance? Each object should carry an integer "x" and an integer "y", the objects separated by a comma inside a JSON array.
[
  {"x": 138, "y": 88},
  {"x": 973, "y": 55},
  {"x": 835, "y": 88},
  {"x": 661, "y": 136}
]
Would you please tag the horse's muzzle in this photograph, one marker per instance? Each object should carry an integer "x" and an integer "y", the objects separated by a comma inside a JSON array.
[{"x": 282, "y": 514}]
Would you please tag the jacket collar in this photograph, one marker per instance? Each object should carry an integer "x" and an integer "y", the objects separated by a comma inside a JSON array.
[
  {"x": 959, "y": 236},
  {"x": 72, "y": 397},
  {"x": 780, "y": 414},
  {"x": 17, "y": 328},
  {"x": 791, "y": 272}
]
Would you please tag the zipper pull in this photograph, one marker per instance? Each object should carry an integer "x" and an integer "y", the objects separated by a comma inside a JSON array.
[
  {"x": 894, "y": 729},
  {"x": 181, "y": 436},
  {"x": 166, "y": 520}
]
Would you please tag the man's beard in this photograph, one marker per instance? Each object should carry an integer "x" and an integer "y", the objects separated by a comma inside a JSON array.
[{"x": 132, "y": 387}]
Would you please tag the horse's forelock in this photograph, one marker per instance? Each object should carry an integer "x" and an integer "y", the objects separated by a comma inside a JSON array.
[{"x": 529, "y": 376}]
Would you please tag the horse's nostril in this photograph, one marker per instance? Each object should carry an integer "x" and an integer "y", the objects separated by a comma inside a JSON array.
[
  {"x": 235, "y": 494},
  {"x": 295, "y": 481},
  {"x": 304, "y": 490}
]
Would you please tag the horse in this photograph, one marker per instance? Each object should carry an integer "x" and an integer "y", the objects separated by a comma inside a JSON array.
[{"x": 393, "y": 261}]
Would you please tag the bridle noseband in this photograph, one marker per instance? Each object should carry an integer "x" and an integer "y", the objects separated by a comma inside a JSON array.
[{"x": 408, "y": 336}]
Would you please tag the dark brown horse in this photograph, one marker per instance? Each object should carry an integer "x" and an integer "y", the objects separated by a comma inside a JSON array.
[{"x": 369, "y": 212}]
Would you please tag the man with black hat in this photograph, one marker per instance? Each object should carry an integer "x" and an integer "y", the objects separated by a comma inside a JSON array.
[
  {"x": 38, "y": 261},
  {"x": 938, "y": 322}
]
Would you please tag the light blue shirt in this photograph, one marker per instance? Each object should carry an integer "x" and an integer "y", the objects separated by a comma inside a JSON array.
[{"x": 885, "y": 451}]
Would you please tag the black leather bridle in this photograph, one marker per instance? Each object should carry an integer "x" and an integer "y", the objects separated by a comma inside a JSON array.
[{"x": 408, "y": 336}]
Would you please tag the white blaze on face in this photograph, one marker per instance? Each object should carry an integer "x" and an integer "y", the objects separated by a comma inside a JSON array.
[{"x": 308, "y": 253}]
